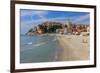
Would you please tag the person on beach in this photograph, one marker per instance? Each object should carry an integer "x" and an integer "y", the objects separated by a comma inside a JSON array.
[{"x": 65, "y": 29}]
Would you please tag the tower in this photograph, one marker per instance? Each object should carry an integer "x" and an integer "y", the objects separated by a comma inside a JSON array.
[{"x": 69, "y": 26}]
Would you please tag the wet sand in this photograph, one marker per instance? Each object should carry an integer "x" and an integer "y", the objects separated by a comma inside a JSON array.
[{"x": 75, "y": 47}]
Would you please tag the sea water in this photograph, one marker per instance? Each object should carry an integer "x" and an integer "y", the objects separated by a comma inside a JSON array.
[{"x": 38, "y": 49}]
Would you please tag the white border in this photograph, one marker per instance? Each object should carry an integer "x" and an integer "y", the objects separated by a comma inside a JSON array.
[{"x": 51, "y": 64}]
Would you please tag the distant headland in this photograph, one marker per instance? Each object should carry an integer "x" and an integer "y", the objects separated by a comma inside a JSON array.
[{"x": 57, "y": 27}]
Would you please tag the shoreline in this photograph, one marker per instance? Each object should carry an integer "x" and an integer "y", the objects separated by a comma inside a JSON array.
[{"x": 71, "y": 47}]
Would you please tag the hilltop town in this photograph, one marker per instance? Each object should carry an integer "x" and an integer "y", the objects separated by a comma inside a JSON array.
[{"x": 59, "y": 28}]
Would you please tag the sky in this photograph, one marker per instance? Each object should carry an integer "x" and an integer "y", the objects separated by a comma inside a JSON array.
[{"x": 30, "y": 18}]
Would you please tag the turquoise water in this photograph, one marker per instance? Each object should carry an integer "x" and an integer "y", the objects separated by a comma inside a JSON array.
[{"x": 38, "y": 49}]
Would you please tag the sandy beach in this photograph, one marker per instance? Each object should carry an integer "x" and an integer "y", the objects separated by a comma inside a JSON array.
[{"x": 75, "y": 47}]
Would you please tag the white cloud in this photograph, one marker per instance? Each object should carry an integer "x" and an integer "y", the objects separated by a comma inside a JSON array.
[{"x": 41, "y": 14}]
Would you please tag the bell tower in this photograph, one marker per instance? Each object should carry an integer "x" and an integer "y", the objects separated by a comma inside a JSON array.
[{"x": 69, "y": 26}]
